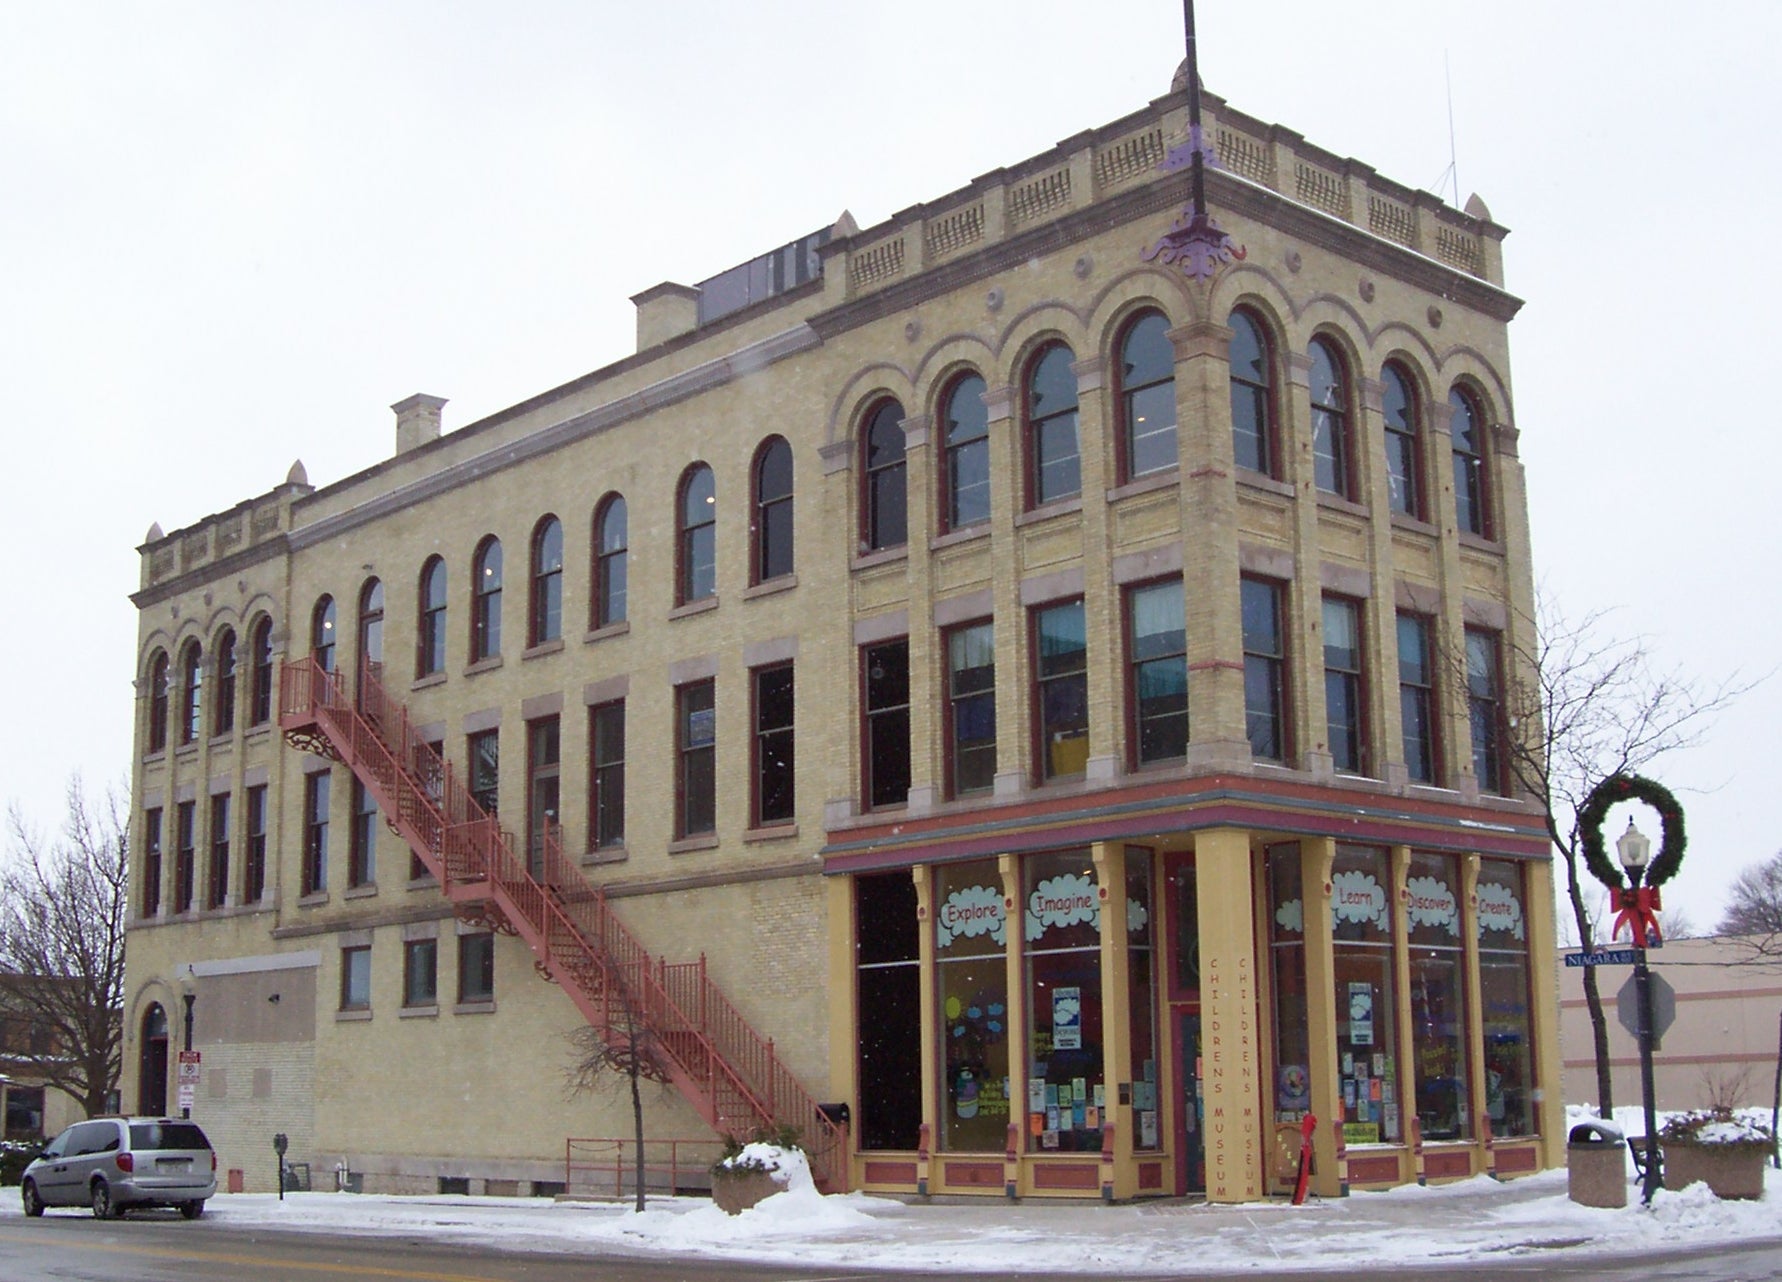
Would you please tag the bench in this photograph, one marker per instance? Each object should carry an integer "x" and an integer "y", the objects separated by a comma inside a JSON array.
[{"x": 1636, "y": 1144}]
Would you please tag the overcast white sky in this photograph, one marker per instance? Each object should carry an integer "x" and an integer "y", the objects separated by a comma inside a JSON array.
[{"x": 231, "y": 235}]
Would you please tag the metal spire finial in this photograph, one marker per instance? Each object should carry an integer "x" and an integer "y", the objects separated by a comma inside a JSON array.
[{"x": 1194, "y": 241}]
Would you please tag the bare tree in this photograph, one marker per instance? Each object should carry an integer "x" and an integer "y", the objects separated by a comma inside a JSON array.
[
  {"x": 1754, "y": 909},
  {"x": 629, "y": 1051},
  {"x": 62, "y": 910},
  {"x": 1586, "y": 704}
]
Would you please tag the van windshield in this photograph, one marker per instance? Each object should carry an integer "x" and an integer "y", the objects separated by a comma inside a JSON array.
[{"x": 165, "y": 1135}]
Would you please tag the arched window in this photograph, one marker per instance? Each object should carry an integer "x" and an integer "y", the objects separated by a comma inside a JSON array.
[
  {"x": 1054, "y": 463},
  {"x": 967, "y": 443},
  {"x": 191, "y": 679},
  {"x": 610, "y": 562},
  {"x": 1404, "y": 443},
  {"x": 884, "y": 509},
  {"x": 1147, "y": 397},
  {"x": 697, "y": 574},
  {"x": 371, "y": 627},
  {"x": 1472, "y": 495},
  {"x": 260, "y": 642},
  {"x": 485, "y": 618},
  {"x": 321, "y": 634},
  {"x": 1333, "y": 464},
  {"x": 547, "y": 582},
  {"x": 430, "y": 630},
  {"x": 773, "y": 510},
  {"x": 160, "y": 676},
  {"x": 222, "y": 704},
  {"x": 1252, "y": 397}
]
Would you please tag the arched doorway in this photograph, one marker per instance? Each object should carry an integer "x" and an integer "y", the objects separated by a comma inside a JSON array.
[{"x": 151, "y": 1085}]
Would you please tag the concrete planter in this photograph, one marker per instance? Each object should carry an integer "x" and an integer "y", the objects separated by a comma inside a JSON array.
[
  {"x": 1730, "y": 1170},
  {"x": 735, "y": 1192}
]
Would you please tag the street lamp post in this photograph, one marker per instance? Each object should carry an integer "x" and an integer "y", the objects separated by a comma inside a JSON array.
[
  {"x": 1634, "y": 850},
  {"x": 189, "y": 995}
]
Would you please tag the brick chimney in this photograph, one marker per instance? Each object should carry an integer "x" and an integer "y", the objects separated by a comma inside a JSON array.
[{"x": 417, "y": 421}]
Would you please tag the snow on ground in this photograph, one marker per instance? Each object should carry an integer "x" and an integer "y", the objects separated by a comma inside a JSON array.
[{"x": 1473, "y": 1219}]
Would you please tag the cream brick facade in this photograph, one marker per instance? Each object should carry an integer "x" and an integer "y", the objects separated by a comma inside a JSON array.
[{"x": 980, "y": 281}]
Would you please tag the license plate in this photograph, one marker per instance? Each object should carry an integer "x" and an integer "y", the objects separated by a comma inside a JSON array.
[{"x": 173, "y": 1164}]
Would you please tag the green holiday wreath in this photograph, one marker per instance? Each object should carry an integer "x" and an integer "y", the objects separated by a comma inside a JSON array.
[{"x": 1612, "y": 791}]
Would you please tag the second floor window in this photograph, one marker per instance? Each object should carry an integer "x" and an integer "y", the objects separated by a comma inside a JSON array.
[
  {"x": 420, "y": 972},
  {"x": 773, "y": 511},
  {"x": 971, "y": 707},
  {"x": 430, "y": 635},
  {"x": 355, "y": 978},
  {"x": 697, "y": 576},
  {"x": 185, "y": 855},
  {"x": 485, "y": 621},
  {"x": 1055, "y": 466},
  {"x": 886, "y": 672},
  {"x": 362, "y": 852},
  {"x": 1344, "y": 707},
  {"x": 610, "y": 563},
  {"x": 547, "y": 581},
  {"x": 606, "y": 732},
  {"x": 967, "y": 446},
  {"x": 1416, "y": 698},
  {"x": 1265, "y": 669},
  {"x": 316, "y": 797},
  {"x": 884, "y": 511},
  {"x": 151, "y": 862},
  {"x": 1158, "y": 642},
  {"x": 1061, "y": 689},
  {"x": 775, "y": 799},
  {"x": 697, "y": 742},
  {"x": 1484, "y": 707},
  {"x": 253, "y": 880},
  {"x": 218, "y": 893}
]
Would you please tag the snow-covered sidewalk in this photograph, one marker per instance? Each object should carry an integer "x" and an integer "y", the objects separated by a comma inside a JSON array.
[{"x": 1474, "y": 1219}]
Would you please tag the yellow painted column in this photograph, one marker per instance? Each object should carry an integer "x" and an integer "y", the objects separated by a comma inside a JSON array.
[
  {"x": 843, "y": 1032},
  {"x": 1230, "y": 1047},
  {"x": 1543, "y": 974},
  {"x": 1116, "y": 1010},
  {"x": 1316, "y": 857},
  {"x": 1404, "y": 1051},
  {"x": 1020, "y": 1032},
  {"x": 1475, "y": 1009},
  {"x": 931, "y": 1053}
]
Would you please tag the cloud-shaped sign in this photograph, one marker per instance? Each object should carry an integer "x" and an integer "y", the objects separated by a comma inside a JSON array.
[
  {"x": 968, "y": 912},
  {"x": 1433, "y": 904},
  {"x": 1068, "y": 899},
  {"x": 1356, "y": 896}
]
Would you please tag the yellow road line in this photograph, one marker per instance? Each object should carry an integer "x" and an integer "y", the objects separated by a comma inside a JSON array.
[{"x": 261, "y": 1261}]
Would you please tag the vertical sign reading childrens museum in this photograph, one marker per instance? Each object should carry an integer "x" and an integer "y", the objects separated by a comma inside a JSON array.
[{"x": 1228, "y": 1014}]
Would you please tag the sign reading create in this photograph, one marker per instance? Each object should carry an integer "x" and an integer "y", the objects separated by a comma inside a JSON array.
[{"x": 1499, "y": 911}]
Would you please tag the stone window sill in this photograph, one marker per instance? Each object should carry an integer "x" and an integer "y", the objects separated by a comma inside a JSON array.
[
  {"x": 618, "y": 629},
  {"x": 1046, "y": 511},
  {"x": 483, "y": 665},
  {"x": 418, "y": 1012},
  {"x": 952, "y": 538},
  {"x": 360, "y": 892},
  {"x": 1167, "y": 479},
  {"x": 541, "y": 649},
  {"x": 701, "y": 841},
  {"x": 881, "y": 556},
  {"x": 1267, "y": 484},
  {"x": 429, "y": 681},
  {"x": 694, "y": 607},
  {"x": 475, "y": 1008},
  {"x": 785, "y": 583},
  {"x": 771, "y": 832},
  {"x": 352, "y": 1016},
  {"x": 315, "y": 900}
]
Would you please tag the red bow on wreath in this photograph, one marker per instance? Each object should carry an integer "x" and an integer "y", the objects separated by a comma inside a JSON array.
[{"x": 1639, "y": 912}]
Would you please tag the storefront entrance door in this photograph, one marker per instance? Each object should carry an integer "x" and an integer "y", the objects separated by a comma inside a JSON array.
[{"x": 1183, "y": 971}]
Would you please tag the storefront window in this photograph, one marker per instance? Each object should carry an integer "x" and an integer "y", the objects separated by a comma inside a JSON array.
[
  {"x": 1287, "y": 958},
  {"x": 888, "y": 1011},
  {"x": 1361, "y": 924},
  {"x": 970, "y": 935},
  {"x": 1438, "y": 997},
  {"x": 1503, "y": 989},
  {"x": 1065, "y": 1091},
  {"x": 1141, "y": 987}
]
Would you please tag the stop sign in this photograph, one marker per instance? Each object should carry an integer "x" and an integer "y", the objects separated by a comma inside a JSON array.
[{"x": 1664, "y": 1007}]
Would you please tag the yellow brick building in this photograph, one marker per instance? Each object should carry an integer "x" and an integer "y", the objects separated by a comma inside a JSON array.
[{"x": 977, "y": 567}]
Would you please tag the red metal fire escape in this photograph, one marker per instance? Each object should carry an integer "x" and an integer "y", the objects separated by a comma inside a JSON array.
[{"x": 727, "y": 1071}]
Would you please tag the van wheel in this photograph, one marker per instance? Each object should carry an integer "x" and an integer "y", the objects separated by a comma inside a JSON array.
[
  {"x": 33, "y": 1199},
  {"x": 192, "y": 1210},
  {"x": 103, "y": 1208}
]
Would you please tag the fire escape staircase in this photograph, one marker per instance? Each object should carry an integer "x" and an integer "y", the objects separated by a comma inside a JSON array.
[{"x": 725, "y": 1070}]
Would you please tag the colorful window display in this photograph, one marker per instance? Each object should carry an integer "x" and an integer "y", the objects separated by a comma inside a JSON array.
[
  {"x": 971, "y": 973},
  {"x": 1367, "y": 1063},
  {"x": 1141, "y": 989},
  {"x": 1438, "y": 997},
  {"x": 1287, "y": 959},
  {"x": 1062, "y": 923},
  {"x": 1505, "y": 1022}
]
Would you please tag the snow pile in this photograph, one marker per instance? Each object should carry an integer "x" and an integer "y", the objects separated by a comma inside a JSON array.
[{"x": 788, "y": 1167}]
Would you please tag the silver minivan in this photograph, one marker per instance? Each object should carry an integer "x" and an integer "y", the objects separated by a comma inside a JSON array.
[{"x": 112, "y": 1163}]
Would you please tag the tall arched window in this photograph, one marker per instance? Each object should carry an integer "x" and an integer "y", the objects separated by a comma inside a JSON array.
[
  {"x": 1054, "y": 464},
  {"x": 260, "y": 641},
  {"x": 222, "y": 703},
  {"x": 430, "y": 629},
  {"x": 1147, "y": 397},
  {"x": 321, "y": 634},
  {"x": 967, "y": 443},
  {"x": 697, "y": 574},
  {"x": 1472, "y": 494},
  {"x": 610, "y": 562},
  {"x": 191, "y": 679},
  {"x": 160, "y": 676},
  {"x": 371, "y": 627},
  {"x": 1333, "y": 464},
  {"x": 773, "y": 510},
  {"x": 485, "y": 616},
  {"x": 1404, "y": 444},
  {"x": 547, "y": 582},
  {"x": 884, "y": 508},
  {"x": 1252, "y": 397}
]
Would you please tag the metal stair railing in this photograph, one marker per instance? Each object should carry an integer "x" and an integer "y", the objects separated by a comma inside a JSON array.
[{"x": 731, "y": 1074}]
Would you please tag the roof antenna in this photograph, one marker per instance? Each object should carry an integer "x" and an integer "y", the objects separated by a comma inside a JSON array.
[
  {"x": 1194, "y": 241},
  {"x": 1453, "y": 152}
]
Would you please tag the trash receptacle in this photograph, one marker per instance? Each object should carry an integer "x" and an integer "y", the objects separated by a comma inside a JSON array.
[{"x": 1596, "y": 1165}]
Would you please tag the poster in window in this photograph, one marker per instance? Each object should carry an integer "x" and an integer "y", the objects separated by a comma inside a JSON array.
[
  {"x": 1294, "y": 1088},
  {"x": 1361, "y": 1014},
  {"x": 1067, "y": 1019}
]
